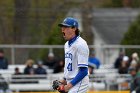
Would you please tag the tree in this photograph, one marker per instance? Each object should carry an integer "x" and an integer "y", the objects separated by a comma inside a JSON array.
[
  {"x": 20, "y": 20},
  {"x": 132, "y": 36},
  {"x": 122, "y": 3}
]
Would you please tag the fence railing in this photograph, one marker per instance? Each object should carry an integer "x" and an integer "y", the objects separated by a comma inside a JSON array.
[{"x": 106, "y": 53}]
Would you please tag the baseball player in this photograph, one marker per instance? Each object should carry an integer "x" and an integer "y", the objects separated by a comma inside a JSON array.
[{"x": 76, "y": 78}]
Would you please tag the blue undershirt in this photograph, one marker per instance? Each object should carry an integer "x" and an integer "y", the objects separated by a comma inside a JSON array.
[
  {"x": 70, "y": 42},
  {"x": 83, "y": 71}
]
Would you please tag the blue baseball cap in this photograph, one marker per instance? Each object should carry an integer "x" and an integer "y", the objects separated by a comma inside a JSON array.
[{"x": 69, "y": 22}]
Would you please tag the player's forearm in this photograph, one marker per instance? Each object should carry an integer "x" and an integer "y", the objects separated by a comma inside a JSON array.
[{"x": 83, "y": 71}]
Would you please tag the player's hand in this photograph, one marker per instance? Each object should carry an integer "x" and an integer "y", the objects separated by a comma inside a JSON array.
[
  {"x": 64, "y": 88},
  {"x": 63, "y": 82},
  {"x": 61, "y": 88}
]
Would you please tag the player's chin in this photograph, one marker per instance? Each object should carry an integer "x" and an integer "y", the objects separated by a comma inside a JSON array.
[{"x": 65, "y": 37}]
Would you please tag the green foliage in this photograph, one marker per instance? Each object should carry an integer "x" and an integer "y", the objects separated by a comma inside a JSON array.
[
  {"x": 55, "y": 35},
  {"x": 53, "y": 38},
  {"x": 113, "y": 3},
  {"x": 135, "y": 3},
  {"x": 132, "y": 36},
  {"x": 120, "y": 3},
  {"x": 117, "y": 3},
  {"x": 6, "y": 18}
]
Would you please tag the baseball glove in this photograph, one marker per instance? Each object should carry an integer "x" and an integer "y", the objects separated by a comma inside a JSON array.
[{"x": 57, "y": 85}]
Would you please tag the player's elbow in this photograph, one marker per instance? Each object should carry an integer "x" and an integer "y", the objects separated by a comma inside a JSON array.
[{"x": 84, "y": 70}]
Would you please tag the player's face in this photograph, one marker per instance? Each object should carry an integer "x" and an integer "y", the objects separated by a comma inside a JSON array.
[{"x": 68, "y": 32}]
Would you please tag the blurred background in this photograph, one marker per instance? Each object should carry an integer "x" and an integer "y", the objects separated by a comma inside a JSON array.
[{"x": 30, "y": 38}]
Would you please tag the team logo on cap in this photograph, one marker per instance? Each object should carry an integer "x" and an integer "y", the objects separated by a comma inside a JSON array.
[
  {"x": 74, "y": 23},
  {"x": 65, "y": 21}
]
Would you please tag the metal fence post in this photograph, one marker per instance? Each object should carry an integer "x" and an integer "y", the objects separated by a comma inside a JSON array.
[{"x": 13, "y": 55}]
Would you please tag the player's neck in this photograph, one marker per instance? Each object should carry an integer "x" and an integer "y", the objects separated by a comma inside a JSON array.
[{"x": 71, "y": 41}]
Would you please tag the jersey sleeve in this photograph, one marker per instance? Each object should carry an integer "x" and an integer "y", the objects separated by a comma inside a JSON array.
[{"x": 83, "y": 54}]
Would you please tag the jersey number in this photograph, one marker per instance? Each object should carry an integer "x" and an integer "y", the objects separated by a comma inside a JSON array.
[{"x": 69, "y": 67}]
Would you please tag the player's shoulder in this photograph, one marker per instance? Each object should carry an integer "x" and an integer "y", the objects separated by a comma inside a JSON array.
[
  {"x": 81, "y": 41},
  {"x": 82, "y": 46}
]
